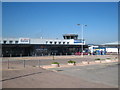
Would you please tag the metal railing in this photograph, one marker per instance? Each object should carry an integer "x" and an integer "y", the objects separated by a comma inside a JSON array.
[{"x": 12, "y": 64}]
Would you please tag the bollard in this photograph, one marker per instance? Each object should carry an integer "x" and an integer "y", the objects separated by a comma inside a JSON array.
[
  {"x": 48, "y": 54},
  {"x": 53, "y": 57},
  {"x": 35, "y": 54},
  {"x": 60, "y": 54},
  {"x": 20, "y": 55},
  {"x": 66, "y": 54},
  {"x": 10, "y": 55},
  {"x": 24, "y": 63},
  {"x": 8, "y": 64},
  {"x": 39, "y": 63},
  {"x": 55, "y": 54},
  {"x": 8, "y": 61}
]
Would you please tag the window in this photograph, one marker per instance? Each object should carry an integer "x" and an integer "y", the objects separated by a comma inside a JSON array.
[
  {"x": 50, "y": 42},
  {"x": 46, "y": 42},
  {"x": 10, "y": 42},
  {"x": 55, "y": 42},
  {"x": 4, "y": 42},
  {"x": 63, "y": 42},
  {"x": 68, "y": 37},
  {"x": 16, "y": 42},
  {"x": 72, "y": 37},
  {"x": 59, "y": 42},
  {"x": 67, "y": 42}
]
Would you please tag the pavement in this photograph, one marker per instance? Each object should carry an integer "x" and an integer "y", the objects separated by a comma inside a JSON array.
[
  {"x": 40, "y": 78},
  {"x": 106, "y": 73},
  {"x": 88, "y": 76},
  {"x": 47, "y": 60}
]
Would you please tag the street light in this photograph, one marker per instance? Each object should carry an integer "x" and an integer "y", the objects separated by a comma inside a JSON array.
[{"x": 82, "y": 25}]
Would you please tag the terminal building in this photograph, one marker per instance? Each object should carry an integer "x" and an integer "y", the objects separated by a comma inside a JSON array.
[
  {"x": 69, "y": 45},
  {"x": 106, "y": 48},
  {"x": 112, "y": 48}
]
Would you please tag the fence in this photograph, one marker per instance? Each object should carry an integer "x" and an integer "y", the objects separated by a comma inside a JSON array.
[
  {"x": 15, "y": 64},
  {"x": 25, "y": 62},
  {"x": 36, "y": 54}
]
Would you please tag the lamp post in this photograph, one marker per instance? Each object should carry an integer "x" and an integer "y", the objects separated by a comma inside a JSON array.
[{"x": 82, "y": 27}]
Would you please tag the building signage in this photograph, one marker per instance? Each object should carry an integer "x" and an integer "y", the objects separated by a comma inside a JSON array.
[
  {"x": 78, "y": 41},
  {"x": 24, "y": 40}
]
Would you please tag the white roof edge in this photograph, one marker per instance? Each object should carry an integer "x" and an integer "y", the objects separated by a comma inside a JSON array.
[{"x": 112, "y": 43}]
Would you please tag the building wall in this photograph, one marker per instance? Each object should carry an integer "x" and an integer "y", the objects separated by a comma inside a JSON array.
[
  {"x": 112, "y": 50},
  {"x": 109, "y": 49},
  {"x": 40, "y": 46},
  {"x": 40, "y": 41},
  {"x": 8, "y": 40}
]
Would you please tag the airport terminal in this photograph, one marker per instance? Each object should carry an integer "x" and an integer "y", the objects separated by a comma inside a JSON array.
[{"x": 69, "y": 45}]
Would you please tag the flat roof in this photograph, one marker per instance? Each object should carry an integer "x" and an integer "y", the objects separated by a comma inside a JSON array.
[{"x": 70, "y": 34}]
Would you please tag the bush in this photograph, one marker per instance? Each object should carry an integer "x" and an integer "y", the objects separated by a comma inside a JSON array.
[
  {"x": 34, "y": 66},
  {"x": 108, "y": 58},
  {"x": 55, "y": 63},
  {"x": 71, "y": 61},
  {"x": 97, "y": 59}
]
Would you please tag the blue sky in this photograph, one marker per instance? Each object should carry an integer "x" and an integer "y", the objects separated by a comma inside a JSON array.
[{"x": 53, "y": 19}]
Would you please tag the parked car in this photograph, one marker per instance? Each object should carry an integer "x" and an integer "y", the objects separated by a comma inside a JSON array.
[{"x": 79, "y": 53}]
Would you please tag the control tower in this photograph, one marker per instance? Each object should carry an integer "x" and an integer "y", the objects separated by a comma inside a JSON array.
[{"x": 70, "y": 36}]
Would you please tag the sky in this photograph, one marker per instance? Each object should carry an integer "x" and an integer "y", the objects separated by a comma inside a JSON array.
[{"x": 53, "y": 19}]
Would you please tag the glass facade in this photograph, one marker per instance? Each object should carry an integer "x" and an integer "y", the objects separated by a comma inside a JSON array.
[{"x": 39, "y": 50}]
